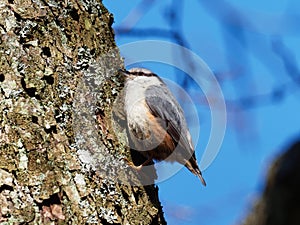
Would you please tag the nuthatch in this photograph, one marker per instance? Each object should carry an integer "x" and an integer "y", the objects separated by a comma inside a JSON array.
[{"x": 155, "y": 121}]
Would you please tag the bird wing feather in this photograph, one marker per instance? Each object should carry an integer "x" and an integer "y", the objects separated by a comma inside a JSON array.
[{"x": 170, "y": 113}]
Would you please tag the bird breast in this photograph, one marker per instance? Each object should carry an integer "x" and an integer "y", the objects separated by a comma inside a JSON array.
[{"x": 146, "y": 131}]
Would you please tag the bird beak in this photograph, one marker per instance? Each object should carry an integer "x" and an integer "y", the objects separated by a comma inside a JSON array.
[{"x": 124, "y": 72}]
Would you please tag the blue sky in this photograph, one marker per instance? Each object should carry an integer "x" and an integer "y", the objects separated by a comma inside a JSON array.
[{"x": 242, "y": 42}]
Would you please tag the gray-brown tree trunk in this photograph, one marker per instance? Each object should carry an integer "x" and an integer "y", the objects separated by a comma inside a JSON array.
[
  {"x": 46, "y": 172},
  {"x": 280, "y": 201}
]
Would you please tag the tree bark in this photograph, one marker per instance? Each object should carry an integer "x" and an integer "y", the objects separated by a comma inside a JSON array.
[
  {"x": 58, "y": 141},
  {"x": 279, "y": 204}
]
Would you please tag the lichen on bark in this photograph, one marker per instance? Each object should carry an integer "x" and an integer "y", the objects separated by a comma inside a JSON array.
[{"x": 46, "y": 52}]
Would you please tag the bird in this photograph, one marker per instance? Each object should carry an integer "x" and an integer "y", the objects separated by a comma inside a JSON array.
[{"x": 156, "y": 125}]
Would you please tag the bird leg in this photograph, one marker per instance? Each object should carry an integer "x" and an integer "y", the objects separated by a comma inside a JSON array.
[{"x": 138, "y": 168}]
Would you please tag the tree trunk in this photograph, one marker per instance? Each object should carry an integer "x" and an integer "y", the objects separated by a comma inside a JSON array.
[
  {"x": 279, "y": 204},
  {"x": 60, "y": 149}
]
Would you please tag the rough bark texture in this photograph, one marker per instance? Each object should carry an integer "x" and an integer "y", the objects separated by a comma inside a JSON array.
[
  {"x": 49, "y": 172},
  {"x": 280, "y": 202}
]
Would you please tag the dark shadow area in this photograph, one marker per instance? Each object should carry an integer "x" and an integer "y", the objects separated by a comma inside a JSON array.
[{"x": 279, "y": 204}]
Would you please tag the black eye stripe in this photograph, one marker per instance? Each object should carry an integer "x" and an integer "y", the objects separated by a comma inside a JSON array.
[{"x": 140, "y": 73}]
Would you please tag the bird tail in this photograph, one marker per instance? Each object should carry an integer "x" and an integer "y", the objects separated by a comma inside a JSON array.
[
  {"x": 193, "y": 167},
  {"x": 199, "y": 174}
]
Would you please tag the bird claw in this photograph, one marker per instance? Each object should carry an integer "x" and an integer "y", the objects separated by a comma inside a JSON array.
[{"x": 130, "y": 163}]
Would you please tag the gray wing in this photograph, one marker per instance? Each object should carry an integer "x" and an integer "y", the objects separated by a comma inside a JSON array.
[{"x": 164, "y": 106}]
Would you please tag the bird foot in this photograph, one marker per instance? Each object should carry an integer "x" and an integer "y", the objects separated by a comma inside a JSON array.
[
  {"x": 138, "y": 168},
  {"x": 129, "y": 163}
]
